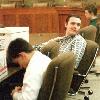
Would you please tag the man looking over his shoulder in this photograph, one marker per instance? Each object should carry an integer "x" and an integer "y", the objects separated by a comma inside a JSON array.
[{"x": 72, "y": 41}]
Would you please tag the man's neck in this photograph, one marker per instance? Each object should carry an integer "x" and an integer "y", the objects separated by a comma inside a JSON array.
[
  {"x": 66, "y": 35},
  {"x": 30, "y": 55}
]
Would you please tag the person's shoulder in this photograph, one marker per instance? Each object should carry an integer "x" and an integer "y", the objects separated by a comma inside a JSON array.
[
  {"x": 98, "y": 19},
  {"x": 39, "y": 55},
  {"x": 80, "y": 38}
]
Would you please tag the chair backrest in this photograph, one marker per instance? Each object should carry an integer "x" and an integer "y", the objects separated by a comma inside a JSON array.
[
  {"x": 84, "y": 66},
  {"x": 88, "y": 58},
  {"x": 58, "y": 78},
  {"x": 51, "y": 49},
  {"x": 88, "y": 32},
  {"x": 98, "y": 34}
]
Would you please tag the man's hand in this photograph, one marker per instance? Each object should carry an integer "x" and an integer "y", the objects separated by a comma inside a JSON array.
[{"x": 17, "y": 89}]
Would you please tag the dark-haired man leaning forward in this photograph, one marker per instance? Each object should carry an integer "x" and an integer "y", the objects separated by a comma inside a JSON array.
[{"x": 35, "y": 63}]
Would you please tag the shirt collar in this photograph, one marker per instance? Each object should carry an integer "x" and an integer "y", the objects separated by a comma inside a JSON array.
[{"x": 69, "y": 37}]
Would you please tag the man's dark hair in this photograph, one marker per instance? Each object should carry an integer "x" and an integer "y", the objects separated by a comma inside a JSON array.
[
  {"x": 17, "y": 46},
  {"x": 72, "y": 15},
  {"x": 91, "y": 9}
]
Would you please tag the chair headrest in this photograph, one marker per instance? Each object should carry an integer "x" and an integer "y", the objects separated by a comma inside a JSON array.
[{"x": 88, "y": 32}]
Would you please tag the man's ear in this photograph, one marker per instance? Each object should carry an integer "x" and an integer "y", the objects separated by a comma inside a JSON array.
[
  {"x": 65, "y": 25},
  {"x": 22, "y": 54}
]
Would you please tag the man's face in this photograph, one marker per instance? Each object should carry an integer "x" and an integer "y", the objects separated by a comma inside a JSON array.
[
  {"x": 21, "y": 60},
  {"x": 73, "y": 26},
  {"x": 87, "y": 14}
]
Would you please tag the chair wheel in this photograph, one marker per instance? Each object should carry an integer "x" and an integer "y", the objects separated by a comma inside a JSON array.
[
  {"x": 90, "y": 92},
  {"x": 86, "y": 81},
  {"x": 86, "y": 97}
]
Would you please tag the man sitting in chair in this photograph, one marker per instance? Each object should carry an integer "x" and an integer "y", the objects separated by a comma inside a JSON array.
[
  {"x": 72, "y": 41},
  {"x": 91, "y": 13},
  {"x": 35, "y": 63}
]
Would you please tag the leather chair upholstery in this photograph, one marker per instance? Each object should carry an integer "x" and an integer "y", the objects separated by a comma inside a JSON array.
[
  {"x": 88, "y": 57},
  {"x": 58, "y": 78},
  {"x": 51, "y": 49},
  {"x": 85, "y": 66},
  {"x": 88, "y": 32},
  {"x": 98, "y": 35}
]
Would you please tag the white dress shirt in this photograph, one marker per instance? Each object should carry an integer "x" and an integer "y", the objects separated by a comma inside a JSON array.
[{"x": 33, "y": 77}]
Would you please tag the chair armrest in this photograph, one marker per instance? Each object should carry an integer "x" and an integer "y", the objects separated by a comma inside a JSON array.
[{"x": 76, "y": 73}]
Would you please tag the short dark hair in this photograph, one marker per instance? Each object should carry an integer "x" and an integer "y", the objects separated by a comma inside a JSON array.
[
  {"x": 91, "y": 9},
  {"x": 17, "y": 46},
  {"x": 72, "y": 15}
]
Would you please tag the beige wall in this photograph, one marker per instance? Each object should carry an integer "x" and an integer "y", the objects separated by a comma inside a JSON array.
[{"x": 29, "y": 3}]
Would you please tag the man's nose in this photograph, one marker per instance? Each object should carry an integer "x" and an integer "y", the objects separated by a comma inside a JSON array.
[{"x": 75, "y": 25}]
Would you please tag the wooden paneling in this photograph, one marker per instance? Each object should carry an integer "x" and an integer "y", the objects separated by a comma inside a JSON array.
[
  {"x": 26, "y": 20},
  {"x": 39, "y": 20},
  {"x": 9, "y": 20}
]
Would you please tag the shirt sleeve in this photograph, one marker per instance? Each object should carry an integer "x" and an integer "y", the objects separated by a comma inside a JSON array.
[
  {"x": 19, "y": 95},
  {"x": 31, "y": 85},
  {"x": 39, "y": 46}
]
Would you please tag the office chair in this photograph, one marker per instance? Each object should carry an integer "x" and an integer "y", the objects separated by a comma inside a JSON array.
[
  {"x": 51, "y": 49},
  {"x": 84, "y": 67},
  {"x": 98, "y": 30},
  {"x": 58, "y": 78},
  {"x": 88, "y": 32},
  {"x": 98, "y": 35}
]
